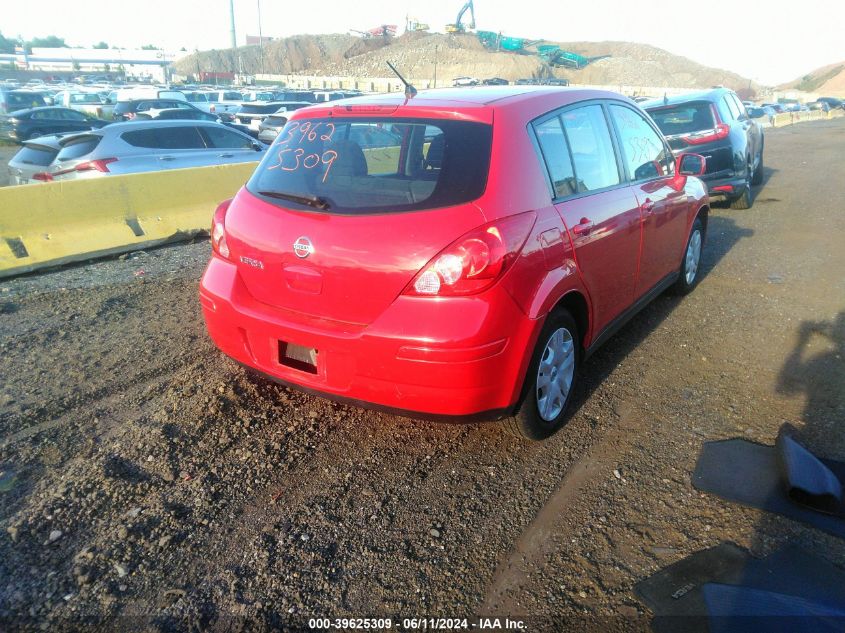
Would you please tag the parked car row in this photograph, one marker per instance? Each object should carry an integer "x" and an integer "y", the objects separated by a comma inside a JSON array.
[{"x": 138, "y": 146}]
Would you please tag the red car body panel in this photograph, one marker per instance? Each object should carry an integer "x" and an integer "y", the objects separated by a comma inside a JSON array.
[{"x": 450, "y": 355}]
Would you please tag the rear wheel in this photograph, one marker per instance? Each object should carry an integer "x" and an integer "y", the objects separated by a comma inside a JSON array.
[
  {"x": 757, "y": 178},
  {"x": 691, "y": 264},
  {"x": 551, "y": 380},
  {"x": 744, "y": 200},
  {"x": 35, "y": 134}
]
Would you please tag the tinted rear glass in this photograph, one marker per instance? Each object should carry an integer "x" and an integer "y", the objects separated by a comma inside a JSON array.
[
  {"x": 376, "y": 165},
  {"x": 684, "y": 118},
  {"x": 258, "y": 108},
  {"x": 20, "y": 100},
  {"x": 35, "y": 155},
  {"x": 79, "y": 147}
]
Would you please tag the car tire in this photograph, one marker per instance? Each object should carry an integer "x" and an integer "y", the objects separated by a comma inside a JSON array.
[
  {"x": 34, "y": 134},
  {"x": 757, "y": 178},
  {"x": 691, "y": 261},
  {"x": 556, "y": 362},
  {"x": 744, "y": 200}
]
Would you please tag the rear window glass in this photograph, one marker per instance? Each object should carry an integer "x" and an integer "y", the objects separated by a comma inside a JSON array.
[
  {"x": 232, "y": 96},
  {"x": 196, "y": 97},
  {"x": 275, "y": 120},
  {"x": 35, "y": 155},
  {"x": 85, "y": 98},
  {"x": 376, "y": 165},
  {"x": 684, "y": 118},
  {"x": 22, "y": 100},
  {"x": 78, "y": 147}
]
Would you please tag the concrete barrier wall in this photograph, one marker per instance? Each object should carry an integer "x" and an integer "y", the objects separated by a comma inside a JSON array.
[
  {"x": 55, "y": 223},
  {"x": 791, "y": 118}
]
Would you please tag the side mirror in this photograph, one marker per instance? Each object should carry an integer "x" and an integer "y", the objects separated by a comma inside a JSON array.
[
  {"x": 258, "y": 147},
  {"x": 691, "y": 164}
]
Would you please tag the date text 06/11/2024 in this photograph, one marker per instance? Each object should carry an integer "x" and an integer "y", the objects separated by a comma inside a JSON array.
[{"x": 417, "y": 624}]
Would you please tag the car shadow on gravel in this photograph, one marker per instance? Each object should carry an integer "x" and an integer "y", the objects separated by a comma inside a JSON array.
[
  {"x": 723, "y": 233},
  {"x": 815, "y": 368}
]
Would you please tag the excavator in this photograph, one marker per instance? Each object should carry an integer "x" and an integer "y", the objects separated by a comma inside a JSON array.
[{"x": 458, "y": 26}]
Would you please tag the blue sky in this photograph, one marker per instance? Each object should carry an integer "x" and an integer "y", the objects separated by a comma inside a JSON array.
[{"x": 770, "y": 42}]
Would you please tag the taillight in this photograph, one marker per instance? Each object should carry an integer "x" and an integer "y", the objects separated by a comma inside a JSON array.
[
  {"x": 101, "y": 165},
  {"x": 218, "y": 230},
  {"x": 708, "y": 136},
  {"x": 43, "y": 176},
  {"x": 474, "y": 262},
  {"x": 129, "y": 116},
  {"x": 212, "y": 108}
]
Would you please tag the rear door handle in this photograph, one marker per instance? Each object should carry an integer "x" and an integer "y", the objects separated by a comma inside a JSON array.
[
  {"x": 583, "y": 227},
  {"x": 166, "y": 158},
  {"x": 225, "y": 155}
]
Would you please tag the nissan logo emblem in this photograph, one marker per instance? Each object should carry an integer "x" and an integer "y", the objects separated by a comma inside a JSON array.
[{"x": 303, "y": 247}]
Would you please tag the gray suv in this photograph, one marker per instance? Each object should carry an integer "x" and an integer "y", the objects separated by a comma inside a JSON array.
[{"x": 124, "y": 148}]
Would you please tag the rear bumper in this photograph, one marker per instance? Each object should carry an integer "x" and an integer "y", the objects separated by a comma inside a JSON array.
[
  {"x": 432, "y": 358},
  {"x": 723, "y": 185}
]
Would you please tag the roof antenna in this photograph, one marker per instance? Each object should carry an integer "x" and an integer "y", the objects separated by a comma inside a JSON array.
[
  {"x": 410, "y": 91},
  {"x": 665, "y": 99}
]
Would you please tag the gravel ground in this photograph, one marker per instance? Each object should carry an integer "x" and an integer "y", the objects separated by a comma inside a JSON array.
[{"x": 148, "y": 483}]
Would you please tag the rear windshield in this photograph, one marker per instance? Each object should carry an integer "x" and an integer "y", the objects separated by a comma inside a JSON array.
[
  {"x": 21, "y": 100},
  {"x": 275, "y": 120},
  {"x": 35, "y": 155},
  {"x": 375, "y": 165},
  {"x": 78, "y": 147},
  {"x": 255, "y": 108},
  {"x": 196, "y": 97},
  {"x": 684, "y": 118},
  {"x": 85, "y": 98}
]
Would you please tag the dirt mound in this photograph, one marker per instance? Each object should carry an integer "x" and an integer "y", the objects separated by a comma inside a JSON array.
[
  {"x": 418, "y": 55},
  {"x": 829, "y": 80}
]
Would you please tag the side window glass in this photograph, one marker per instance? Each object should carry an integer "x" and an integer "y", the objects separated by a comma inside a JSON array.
[
  {"x": 740, "y": 108},
  {"x": 180, "y": 138},
  {"x": 556, "y": 155},
  {"x": 222, "y": 138},
  {"x": 592, "y": 149},
  {"x": 734, "y": 113},
  {"x": 642, "y": 148}
]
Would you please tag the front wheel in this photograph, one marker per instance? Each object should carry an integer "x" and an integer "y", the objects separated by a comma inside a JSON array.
[
  {"x": 691, "y": 264},
  {"x": 551, "y": 380}
]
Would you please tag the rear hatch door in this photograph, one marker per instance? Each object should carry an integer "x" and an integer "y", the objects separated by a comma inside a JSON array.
[{"x": 379, "y": 199}]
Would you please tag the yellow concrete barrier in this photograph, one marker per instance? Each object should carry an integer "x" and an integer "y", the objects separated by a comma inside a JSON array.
[{"x": 56, "y": 223}]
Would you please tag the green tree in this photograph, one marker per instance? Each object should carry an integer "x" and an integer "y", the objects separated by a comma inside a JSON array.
[
  {"x": 51, "y": 41},
  {"x": 150, "y": 47},
  {"x": 101, "y": 45},
  {"x": 7, "y": 45}
]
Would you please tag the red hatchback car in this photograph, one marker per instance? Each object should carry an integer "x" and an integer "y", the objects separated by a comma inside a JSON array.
[{"x": 452, "y": 255}]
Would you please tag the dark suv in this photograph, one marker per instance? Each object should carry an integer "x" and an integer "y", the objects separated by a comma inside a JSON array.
[
  {"x": 127, "y": 110},
  {"x": 714, "y": 123},
  {"x": 13, "y": 100}
]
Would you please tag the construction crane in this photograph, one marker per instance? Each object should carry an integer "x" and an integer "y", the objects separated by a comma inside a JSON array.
[{"x": 458, "y": 26}]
